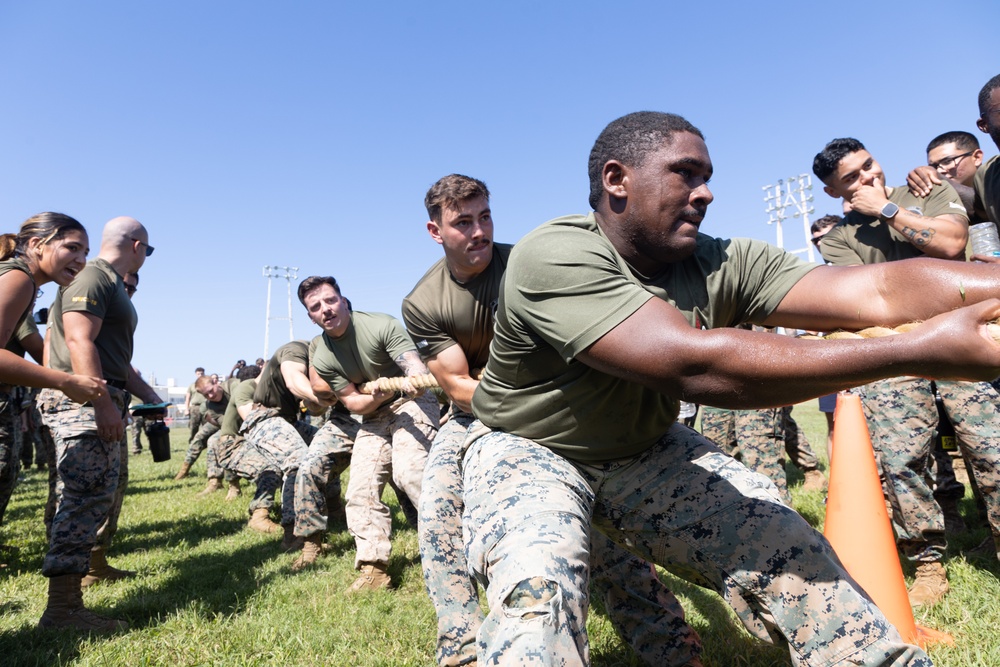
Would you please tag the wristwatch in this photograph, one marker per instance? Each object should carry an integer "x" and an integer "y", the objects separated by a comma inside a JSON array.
[{"x": 888, "y": 211}]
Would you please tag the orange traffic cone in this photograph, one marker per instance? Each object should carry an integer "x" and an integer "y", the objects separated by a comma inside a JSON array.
[{"x": 858, "y": 527}]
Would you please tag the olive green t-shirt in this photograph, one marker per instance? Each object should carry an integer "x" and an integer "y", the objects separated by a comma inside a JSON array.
[
  {"x": 27, "y": 328},
  {"x": 23, "y": 327},
  {"x": 217, "y": 409},
  {"x": 566, "y": 286},
  {"x": 366, "y": 351},
  {"x": 863, "y": 239},
  {"x": 440, "y": 312},
  {"x": 242, "y": 394},
  {"x": 986, "y": 183},
  {"x": 99, "y": 291},
  {"x": 271, "y": 389}
]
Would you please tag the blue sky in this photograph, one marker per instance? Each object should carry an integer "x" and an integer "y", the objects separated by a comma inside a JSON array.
[{"x": 306, "y": 134}]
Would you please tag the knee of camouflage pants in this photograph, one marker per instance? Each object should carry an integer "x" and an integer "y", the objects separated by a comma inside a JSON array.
[
  {"x": 318, "y": 476},
  {"x": 527, "y": 518}
]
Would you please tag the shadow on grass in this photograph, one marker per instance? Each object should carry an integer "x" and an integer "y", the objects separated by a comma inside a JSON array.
[
  {"x": 221, "y": 583},
  {"x": 150, "y": 535}
]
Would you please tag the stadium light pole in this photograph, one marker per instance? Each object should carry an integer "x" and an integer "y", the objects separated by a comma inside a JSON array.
[
  {"x": 793, "y": 192},
  {"x": 289, "y": 273}
]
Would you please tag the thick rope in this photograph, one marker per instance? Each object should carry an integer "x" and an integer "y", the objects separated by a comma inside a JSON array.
[
  {"x": 881, "y": 332},
  {"x": 425, "y": 381}
]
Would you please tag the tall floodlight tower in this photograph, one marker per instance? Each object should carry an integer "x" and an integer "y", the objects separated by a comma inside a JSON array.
[
  {"x": 792, "y": 192},
  {"x": 289, "y": 273}
]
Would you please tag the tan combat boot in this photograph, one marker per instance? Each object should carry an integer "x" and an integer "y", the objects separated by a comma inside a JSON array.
[
  {"x": 261, "y": 522},
  {"x": 234, "y": 491},
  {"x": 930, "y": 585},
  {"x": 101, "y": 571},
  {"x": 290, "y": 542},
  {"x": 373, "y": 577},
  {"x": 312, "y": 548},
  {"x": 815, "y": 481},
  {"x": 183, "y": 472},
  {"x": 214, "y": 484},
  {"x": 65, "y": 608}
]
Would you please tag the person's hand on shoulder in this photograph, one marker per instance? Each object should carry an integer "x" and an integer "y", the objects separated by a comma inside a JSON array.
[{"x": 922, "y": 180}]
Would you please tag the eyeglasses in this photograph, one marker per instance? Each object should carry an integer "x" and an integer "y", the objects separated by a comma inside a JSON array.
[
  {"x": 149, "y": 248},
  {"x": 949, "y": 162},
  {"x": 131, "y": 289}
]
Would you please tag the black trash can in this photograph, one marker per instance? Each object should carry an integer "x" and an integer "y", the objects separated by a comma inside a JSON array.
[
  {"x": 158, "y": 435},
  {"x": 157, "y": 432}
]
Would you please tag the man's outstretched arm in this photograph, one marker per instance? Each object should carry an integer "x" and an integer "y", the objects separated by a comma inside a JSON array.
[{"x": 656, "y": 347}]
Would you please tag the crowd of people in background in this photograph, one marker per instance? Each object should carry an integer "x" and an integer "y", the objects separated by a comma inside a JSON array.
[{"x": 550, "y": 459}]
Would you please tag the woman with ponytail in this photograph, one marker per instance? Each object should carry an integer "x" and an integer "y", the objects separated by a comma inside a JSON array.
[{"x": 50, "y": 247}]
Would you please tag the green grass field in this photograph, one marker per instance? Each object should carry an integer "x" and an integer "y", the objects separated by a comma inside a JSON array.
[{"x": 211, "y": 592}]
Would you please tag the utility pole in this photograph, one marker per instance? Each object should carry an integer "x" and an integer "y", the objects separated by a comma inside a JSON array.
[
  {"x": 791, "y": 192},
  {"x": 289, "y": 273}
]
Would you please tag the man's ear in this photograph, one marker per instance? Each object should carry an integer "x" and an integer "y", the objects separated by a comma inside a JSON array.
[
  {"x": 828, "y": 190},
  {"x": 434, "y": 231},
  {"x": 615, "y": 178},
  {"x": 983, "y": 127}
]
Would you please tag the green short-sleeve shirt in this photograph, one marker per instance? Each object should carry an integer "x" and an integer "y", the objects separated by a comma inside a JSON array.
[
  {"x": 271, "y": 389},
  {"x": 26, "y": 324},
  {"x": 367, "y": 350},
  {"x": 440, "y": 312},
  {"x": 99, "y": 291},
  {"x": 217, "y": 409},
  {"x": 863, "y": 239},
  {"x": 986, "y": 183},
  {"x": 242, "y": 394},
  {"x": 566, "y": 286},
  {"x": 27, "y": 328}
]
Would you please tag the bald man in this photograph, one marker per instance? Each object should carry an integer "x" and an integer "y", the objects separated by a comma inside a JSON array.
[{"x": 91, "y": 325}]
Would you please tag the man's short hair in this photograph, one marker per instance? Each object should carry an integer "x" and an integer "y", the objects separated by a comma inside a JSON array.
[
  {"x": 312, "y": 282},
  {"x": 199, "y": 370},
  {"x": 452, "y": 190},
  {"x": 985, "y": 93},
  {"x": 248, "y": 372},
  {"x": 203, "y": 382},
  {"x": 824, "y": 223},
  {"x": 965, "y": 141},
  {"x": 629, "y": 140},
  {"x": 826, "y": 161}
]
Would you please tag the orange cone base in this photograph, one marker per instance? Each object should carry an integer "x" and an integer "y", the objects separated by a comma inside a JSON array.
[
  {"x": 926, "y": 637},
  {"x": 858, "y": 528}
]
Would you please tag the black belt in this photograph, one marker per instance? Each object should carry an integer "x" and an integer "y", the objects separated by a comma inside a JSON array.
[{"x": 117, "y": 384}]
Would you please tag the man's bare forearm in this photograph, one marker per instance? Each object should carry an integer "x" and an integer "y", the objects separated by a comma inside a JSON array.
[
  {"x": 409, "y": 362},
  {"x": 139, "y": 387},
  {"x": 738, "y": 369},
  {"x": 889, "y": 294}
]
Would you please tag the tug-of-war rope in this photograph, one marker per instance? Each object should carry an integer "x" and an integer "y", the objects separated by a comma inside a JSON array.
[
  {"x": 424, "y": 381},
  {"x": 993, "y": 328}
]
